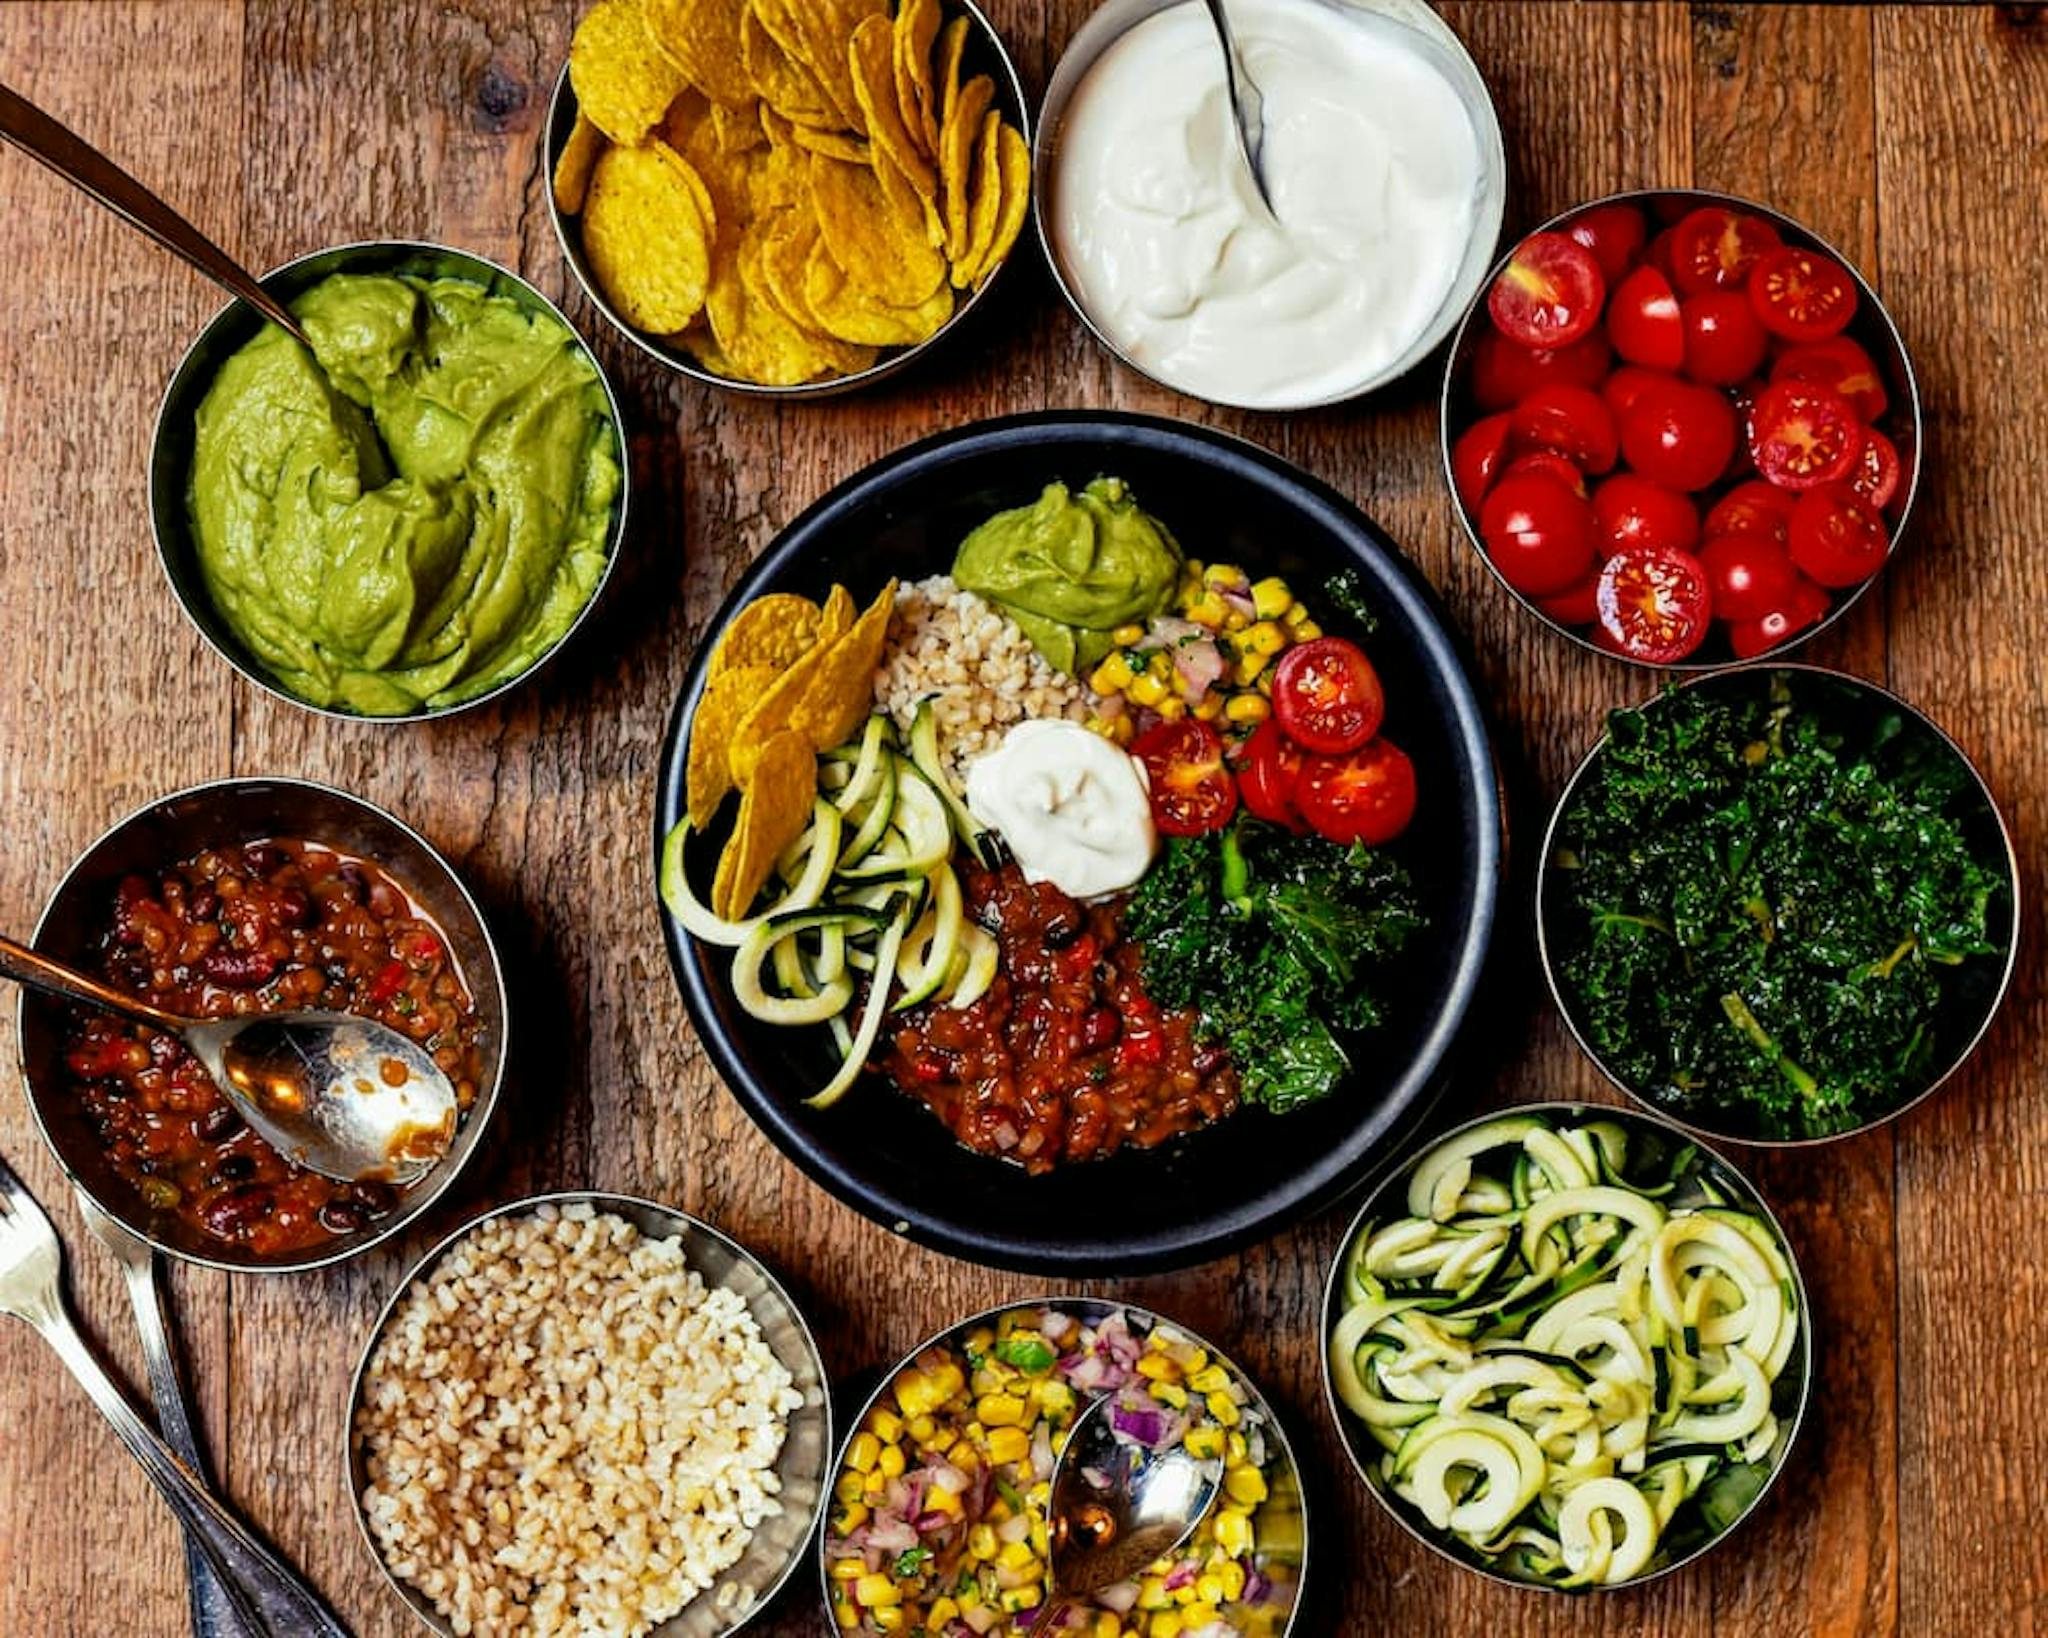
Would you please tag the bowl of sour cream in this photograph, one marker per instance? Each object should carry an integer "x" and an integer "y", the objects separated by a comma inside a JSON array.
[{"x": 1383, "y": 155}]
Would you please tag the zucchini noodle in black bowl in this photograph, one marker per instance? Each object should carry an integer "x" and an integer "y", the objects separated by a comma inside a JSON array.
[{"x": 1227, "y": 1185}]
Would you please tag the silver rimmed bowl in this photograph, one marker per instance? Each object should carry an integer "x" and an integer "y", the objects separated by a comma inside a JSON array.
[
  {"x": 1700, "y": 1522},
  {"x": 776, "y": 1545},
  {"x": 170, "y": 456},
  {"x": 1280, "y": 1525},
  {"x": 1426, "y": 34},
  {"x": 1968, "y": 1003},
  {"x": 228, "y": 814},
  {"x": 985, "y": 54}
]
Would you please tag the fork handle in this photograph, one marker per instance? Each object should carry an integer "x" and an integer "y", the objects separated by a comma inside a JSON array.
[{"x": 270, "y": 1596}]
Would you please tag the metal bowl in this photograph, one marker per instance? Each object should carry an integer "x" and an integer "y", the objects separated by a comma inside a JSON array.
[
  {"x": 1388, "y": 1200},
  {"x": 986, "y": 54},
  {"x": 1282, "y": 1523},
  {"x": 1872, "y": 328},
  {"x": 1433, "y": 40},
  {"x": 170, "y": 448},
  {"x": 1967, "y": 1021},
  {"x": 778, "y": 1543},
  {"x": 230, "y": 813}
]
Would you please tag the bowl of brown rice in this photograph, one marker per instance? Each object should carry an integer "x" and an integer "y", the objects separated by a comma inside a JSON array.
[{"x": 587, "y": 1413}]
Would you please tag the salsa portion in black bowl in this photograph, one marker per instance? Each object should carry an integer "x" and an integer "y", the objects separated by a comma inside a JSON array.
[{"x": 1160, "y": 1199}]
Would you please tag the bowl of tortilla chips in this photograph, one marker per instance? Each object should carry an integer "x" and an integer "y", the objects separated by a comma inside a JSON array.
[{"x": 787, "y": 197}]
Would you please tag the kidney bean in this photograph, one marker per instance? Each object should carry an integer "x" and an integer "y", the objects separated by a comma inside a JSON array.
[
  {"x": 343, "y": 1216},
  {"x": 239, "y": 1210},
  {"x": 219, "y": 1123},
  {"x": 263, "y": 858},
  {"x": 204, "y": 903},
  {"x": 350, "y": 880},
  {"x": 295, "y": 907},
  {"x": 1100, "y": 1027},
  {"x": 239, "y": 969},
  {"x": 233, "y": 1169}
]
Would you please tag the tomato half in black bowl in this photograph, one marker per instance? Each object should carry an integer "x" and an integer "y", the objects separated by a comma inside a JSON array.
[
  {"x": 1681, "y": 429},
  {"x": 1213, "y": 1190}
]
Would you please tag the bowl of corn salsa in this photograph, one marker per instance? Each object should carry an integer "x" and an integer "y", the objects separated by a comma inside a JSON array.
[{"x": 937, "y": 1522}]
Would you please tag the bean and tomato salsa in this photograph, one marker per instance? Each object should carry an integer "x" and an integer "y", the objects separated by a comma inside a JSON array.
[
  {"x": 271, "y": 927},
  {"x": 1065, "y": 1057}
]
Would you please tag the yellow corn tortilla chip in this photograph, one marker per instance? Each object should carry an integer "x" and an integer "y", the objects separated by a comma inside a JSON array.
[
  {"x": 702, "y": 38},
  {"x": 956, "y": 157},
  {"x": 773, "y": 630},
  {"x": 918, "y": 213},
  {"x": 840, "y": 691},
  {"x": 774, "y": 808},
  {"x": 871, "y": 63},
  {"x": 646, "y": 236},
  {"x": 842, "y": 145},
  {"x": 917, "y": 98},
  {"x": 785, "y": 254},
  {"x": 738, "y": 126},
  {"x": 782, "y": 82},
  {"x": 698, "y": 341},
  {"x": 765, "y": 345},
  {"x": 726, "y": 698},
  {"x": 952, "y": 48},
  {"x": 842, "y": 308},
  {"x": 1013, "y": 157},
  {"x": 579, "y": 158},
  {"x": 886, "y": 256},
  {"x": 815, "y": 33},
  {"x": 984, "y": 200},
  {"x": 837, "y": 612},
  {"x": 622, "y": 80}
]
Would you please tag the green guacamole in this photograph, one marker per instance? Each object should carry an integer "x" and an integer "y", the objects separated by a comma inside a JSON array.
[
  {"x": 1070, "y": 569},
  {"x": 416, "y": 511}
]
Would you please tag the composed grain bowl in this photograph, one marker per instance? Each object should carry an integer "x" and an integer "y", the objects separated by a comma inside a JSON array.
[{"x": 569, "y": 1424}]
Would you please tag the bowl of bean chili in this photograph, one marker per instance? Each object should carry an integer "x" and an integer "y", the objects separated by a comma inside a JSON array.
[{"x": 239, "y": 897}]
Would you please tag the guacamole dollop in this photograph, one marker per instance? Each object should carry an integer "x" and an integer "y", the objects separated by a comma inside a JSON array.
[
  {"x": 1070, "y": 569},
  {"x": 415, "y": 511}
]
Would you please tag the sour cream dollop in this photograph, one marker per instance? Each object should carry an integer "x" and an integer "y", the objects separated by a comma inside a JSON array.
[
  {"x": 1071, "y": 806},
  {"x": 1376, "y": 173}
]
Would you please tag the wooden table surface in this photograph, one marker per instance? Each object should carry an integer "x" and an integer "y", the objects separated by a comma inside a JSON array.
[{"x": 1909, "y": 134}]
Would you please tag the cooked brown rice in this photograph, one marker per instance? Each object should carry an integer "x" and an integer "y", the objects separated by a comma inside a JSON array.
[{"x": 566, "y": 1432}]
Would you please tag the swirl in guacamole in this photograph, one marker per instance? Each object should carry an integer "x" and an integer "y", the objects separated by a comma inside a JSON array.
[
  {"x": 416, "y": 511},
  {"x": 1070, "y": 569}
]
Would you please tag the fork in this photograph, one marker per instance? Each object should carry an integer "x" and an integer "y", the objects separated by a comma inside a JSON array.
[{"x": 267, "y": 1593}]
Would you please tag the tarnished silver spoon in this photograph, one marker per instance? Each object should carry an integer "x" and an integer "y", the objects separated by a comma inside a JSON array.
[
  {"x": 1247, "y": 106},
  {"x": 344, "y": 1096},
  {"x": 1116, "y": 1506}
]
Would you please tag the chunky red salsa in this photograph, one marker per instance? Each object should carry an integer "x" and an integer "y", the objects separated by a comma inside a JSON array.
[
  {"x": 270, "y": 927},
  {"x": 1065, "y": 1057}
]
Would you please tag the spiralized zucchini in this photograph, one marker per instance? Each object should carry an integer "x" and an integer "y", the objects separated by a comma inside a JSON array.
[{"x": 1575, "y": 1365}]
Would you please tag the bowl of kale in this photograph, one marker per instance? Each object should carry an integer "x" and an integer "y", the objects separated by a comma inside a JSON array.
[{"x": 1777, "y": 904}]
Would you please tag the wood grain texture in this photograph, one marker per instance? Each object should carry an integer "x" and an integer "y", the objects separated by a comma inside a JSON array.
[{"x": 1907, "y": 134}]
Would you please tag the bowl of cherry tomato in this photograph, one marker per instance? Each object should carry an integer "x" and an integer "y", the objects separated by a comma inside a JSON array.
[{"x": 1681, "y": 428}]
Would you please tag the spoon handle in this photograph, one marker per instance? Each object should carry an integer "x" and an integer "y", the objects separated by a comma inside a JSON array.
[
  {"x": 268, "y": 1594},
  {"x": 39, "y": 972},
  {"x": 83, "y": 165}
]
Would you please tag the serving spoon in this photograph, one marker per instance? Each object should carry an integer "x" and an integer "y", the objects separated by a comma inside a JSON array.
[
  {"x": 1247, "y": 106},
  {"x": 1115, "y": 1505},
  {"x": 344, "y": 1096},
  {"x": 39, "y": 136}
]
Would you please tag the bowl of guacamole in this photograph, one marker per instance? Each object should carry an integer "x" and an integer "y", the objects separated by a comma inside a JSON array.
[{"x": 408, "y": 518}]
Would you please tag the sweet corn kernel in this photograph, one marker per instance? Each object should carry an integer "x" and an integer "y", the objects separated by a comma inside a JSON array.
[
  {"x": 1201, "y": 1613},
  {"x": 1127, "y": 635},
  {"x": 1101, "y": 725},
  {"x": 1223, "y": 574},
  {"x": 887, "y": 1426},
  {"x": 1235, "y": 1450},
  {"x": 1209, "y": 1588},
  {"x": 942, "y": 1610},
  {"x": 1265, "y": 682},
  {"x": 847, "y": 1569},
  {"x": 1158, "y": 1368},
  {"x": 1204, "y": 1442},
  {"x": 1113, "y": 676},
  {"x": 1306, "y": 631},
  {"x": 1231, "y": 1574},
  {"x": 849, "y": 1487},
  {"x": 1054, "y": 1397},
  {"x": 1172, "y": 708},
  {"x": 1026, "y": 1597},
  {"x": 1170, "y": 1393},
  {"x": 893, "y": 1618},
  {"x": 1184, "y": 1595},
  {"x": 1262, "y": 638},
  {"x": 1159, "y": 664},
  {"x": 1148, "y": 690},
  {"x": 1271, "y": 597},
  {"x": 1236, "y": 620},
  {"x": 982, "y": 1543},
  {"x": 851, "y": 1517},
  {"x": 1015, "y": 1555},
  {"x": 847, "y": 1615},
  {"x": 1123, "y": 730},
  {"x": 1211, "y": 707},
  {"x": 1166, "y": 1624},
  {"x": 892, "y": 1463},
  {"x": 1152, "y": 1593},
  {"x": 874, "y": 1487},
  {"x": 941, "y": 1500},
  {"x": 864, "y": 1452},
  {"x": 1248, "y": 708},
  {"x": 1223, "y": 1408},
  {"x": 1193, "y": 569},
  {"x": 1233, "y": 1532},
  {"x": 1246, "y": 1485},
  {"x": 1106, "y": 1625},
  {"x": 1294, "y": 615},
  {"x": 1007, "y": 1445},
  {"x": 921, "y": 1428},
  {"x": 999, "y": 1410},
  {"x": 1208, "y": 610},
  {"x": 1250, "y": 667},
  {"x": 877, "y": 1591}
]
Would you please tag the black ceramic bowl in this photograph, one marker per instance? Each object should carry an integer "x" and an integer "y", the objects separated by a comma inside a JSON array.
[
  {"x": 1872, "y": 328},
  {"x": 1244, "y": 1178},
  {"x": 1969, "y": 1003}
]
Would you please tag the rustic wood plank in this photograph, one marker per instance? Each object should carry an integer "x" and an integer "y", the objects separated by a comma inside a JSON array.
[
  {"x": 112, "y": 699},
  {"x": 1962, "y": 99}
]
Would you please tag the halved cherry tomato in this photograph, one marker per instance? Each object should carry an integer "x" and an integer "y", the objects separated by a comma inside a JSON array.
[
  {"x": 1678, "y": 434},
  {"x": 1654, "y": 603},
  {"x": 1575, "y": 607},
  {"x": 1476, "y": 457},
  {"x": 1633, "y": 511},
  {"x": 1715, "y": 248},
  {"x": 1837, "y": 362},
  {"x": 1807, "y": 605},
  {"x": 1615, "y": 235},
  {"x": 1538, "y": 533},
  {"x": 1723, "y": 340},
  {"x": 1801, "y": 294},
  {"x": 1551, "y": 465},
  {"x": 1366, "y": 796},
  {"x": 1838, "y": 538},
  {"x": 1192, "y": 791},
  {"x": 1503, "y": 374},
  {"x": 1549, "y": 294},
  {"x": 1747, "y": 575},
  {"x": 1266, "y": 778},
  {"x": 1643, "y": 321},
  {"x": 1626, "y": 385},
  {"x": 1753, "y": 508},
  {"x": 1803, "y": 435},
  {"x": 1573, "y": 421},
  {"x": 1326, "y": 695},
  {"x": 1878, "y": 469}
]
